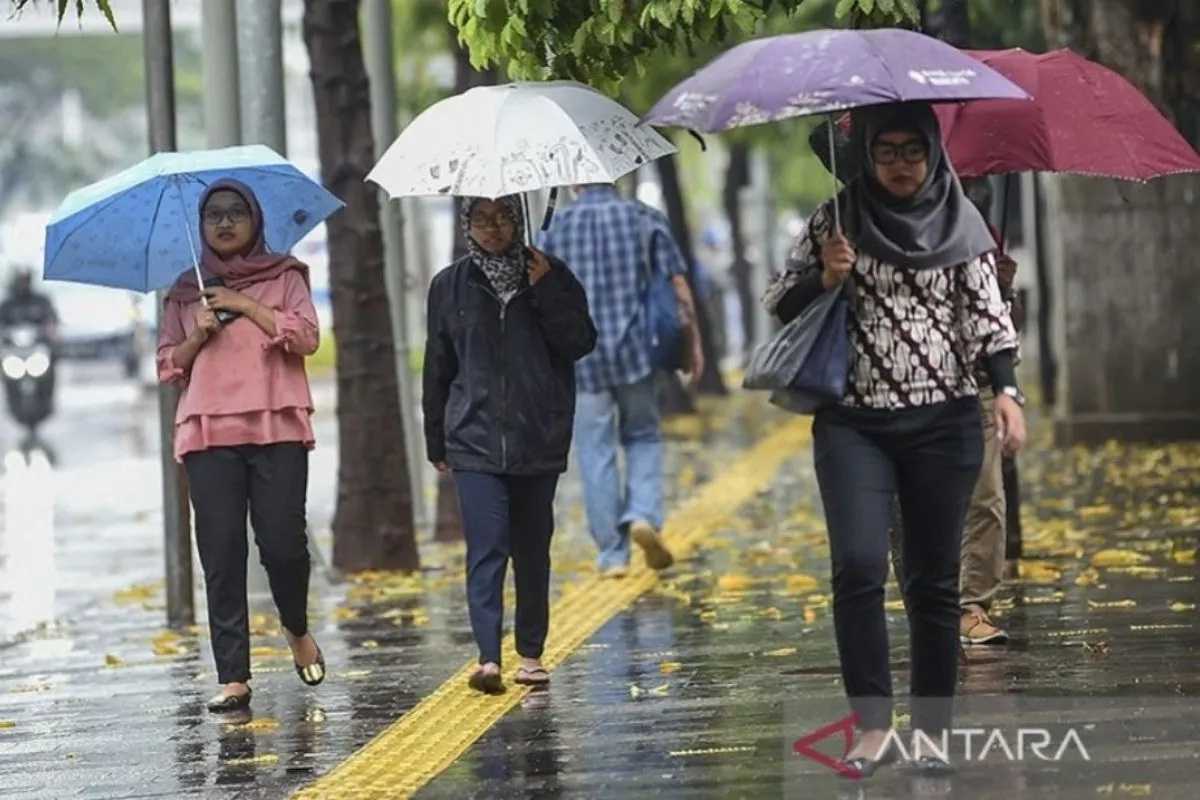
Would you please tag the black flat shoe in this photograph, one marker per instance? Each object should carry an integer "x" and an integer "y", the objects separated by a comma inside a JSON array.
[
  {"x": 862, "y": 768},
  {"x": 224, "y": 703},
  {"x": 931, "y": 766},
  {"x": 314, "y": 673}
]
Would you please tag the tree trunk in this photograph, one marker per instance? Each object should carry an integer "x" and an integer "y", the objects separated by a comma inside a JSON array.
[
  {"x": 711, "y": 381},
  {"x": 1129, "y": 366},
  {"x": 737, "y": 177},
  {"x": 447, "y": 525},
  {"x": 372, "y": 526}
]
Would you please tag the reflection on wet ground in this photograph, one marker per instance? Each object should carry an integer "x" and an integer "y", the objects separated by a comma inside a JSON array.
[{"x": 698, "y": 689}]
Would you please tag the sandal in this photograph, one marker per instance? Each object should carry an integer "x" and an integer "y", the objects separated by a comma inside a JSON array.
[
  {"x": 532, "y": 676},
  {"x": 486, "y": 682},
  {"x": 314, "y": 673}
]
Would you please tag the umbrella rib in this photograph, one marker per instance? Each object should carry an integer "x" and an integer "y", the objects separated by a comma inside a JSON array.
[{"x": 150, "y": 237}]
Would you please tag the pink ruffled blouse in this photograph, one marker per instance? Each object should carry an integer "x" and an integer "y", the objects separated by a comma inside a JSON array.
[{"x": 244, "y": 387}]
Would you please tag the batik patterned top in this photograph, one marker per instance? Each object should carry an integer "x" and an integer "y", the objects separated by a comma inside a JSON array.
[{"x": 914, "y": 334}]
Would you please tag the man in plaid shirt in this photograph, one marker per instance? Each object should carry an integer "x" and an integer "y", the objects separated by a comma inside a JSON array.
[{"x": 612, "y": 244}]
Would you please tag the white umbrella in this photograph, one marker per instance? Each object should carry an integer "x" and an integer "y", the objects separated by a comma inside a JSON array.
[{"x": 493, "y": 141}]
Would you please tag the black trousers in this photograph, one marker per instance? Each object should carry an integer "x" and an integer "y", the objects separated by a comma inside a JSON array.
[
  {"x": 929, "y": 456},
  {"x": 271, "y": 481},
  {"x": 507, "y": 516}
]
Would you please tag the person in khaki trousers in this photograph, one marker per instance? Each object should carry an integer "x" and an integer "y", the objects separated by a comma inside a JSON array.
[{"x": 983, "y": 542}]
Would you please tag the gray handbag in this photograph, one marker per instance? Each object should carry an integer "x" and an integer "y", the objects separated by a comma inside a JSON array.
[{"x": 806, "y": 363}]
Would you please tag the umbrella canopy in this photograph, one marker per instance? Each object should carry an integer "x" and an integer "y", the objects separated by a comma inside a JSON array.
[
  {"x": 493, "y": 141},
  {"x": 140, "y": 228},
  {"x": 825, "y": 70},
  {"x": 1085, "y": 119}
]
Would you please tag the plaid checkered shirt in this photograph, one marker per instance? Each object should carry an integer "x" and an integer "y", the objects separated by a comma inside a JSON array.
[{"x": 603, "y": 238}]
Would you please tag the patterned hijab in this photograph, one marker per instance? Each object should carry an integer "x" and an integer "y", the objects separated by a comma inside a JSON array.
[
  {"x": 505, "y": 271},
  {"x": 938, "y": 227}
]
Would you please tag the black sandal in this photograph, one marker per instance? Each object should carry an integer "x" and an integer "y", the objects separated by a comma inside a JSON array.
[
  {"x": 537, "y": 676},
  {"x": 224, "y": 703},
  {"x": 487, "y": 683},
  {"x": 314, "y": 673}
]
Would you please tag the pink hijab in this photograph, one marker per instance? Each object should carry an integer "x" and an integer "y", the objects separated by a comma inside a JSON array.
[{"x": 253, "y": 266}]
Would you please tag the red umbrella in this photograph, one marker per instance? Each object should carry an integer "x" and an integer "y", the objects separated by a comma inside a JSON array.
[{"x": 1084, "y": 119}]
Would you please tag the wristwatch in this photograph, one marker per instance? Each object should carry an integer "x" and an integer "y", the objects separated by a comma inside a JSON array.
[{"x": 1015, "y": 393}]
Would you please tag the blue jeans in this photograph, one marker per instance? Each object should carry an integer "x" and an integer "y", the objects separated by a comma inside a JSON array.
[{"x": 626, "y": 417}]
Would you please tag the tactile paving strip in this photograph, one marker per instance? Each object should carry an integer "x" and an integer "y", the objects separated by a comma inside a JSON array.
[{"x": 413, "y": 750}]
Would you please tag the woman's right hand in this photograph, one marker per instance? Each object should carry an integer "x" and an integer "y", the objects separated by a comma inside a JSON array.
[
  {"x": 206, "y": 324},
  {"x": 837, "y": 258}
]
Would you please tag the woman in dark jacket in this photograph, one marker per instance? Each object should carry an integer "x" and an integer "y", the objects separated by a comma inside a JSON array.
[
  {"x": 506, "y": 326},
  {"x": 926, "y": 305}
]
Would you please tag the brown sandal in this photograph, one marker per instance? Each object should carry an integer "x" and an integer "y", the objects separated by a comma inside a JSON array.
[{"x": 535, "y": 676}]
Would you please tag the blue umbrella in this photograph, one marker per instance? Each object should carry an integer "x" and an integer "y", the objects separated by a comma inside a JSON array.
[{"x": 140, "y": 228}]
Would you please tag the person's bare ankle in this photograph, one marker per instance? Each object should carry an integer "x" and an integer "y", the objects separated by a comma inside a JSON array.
[{"x": 868, "y": 744}]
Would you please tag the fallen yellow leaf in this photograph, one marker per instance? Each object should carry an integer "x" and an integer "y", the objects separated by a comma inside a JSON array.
[
  {"x": 894, "y": 605},
  {"x": 1039, "y": 572},
  {"x": 1118, "y": 558},
  {"x": 266, "y": 651},
  {"x": 343, "y": 613},
  {"x": 1184, "y": 557},
  {"x": 1179, "y": 606},
  {"x": 5, "y": 724},
  {"x": 261, "y": 724},
  {"x": 801, "y": 584},
  {"x": 1089, "y": 577},
  {"x": 781, "y": 652},
  {"x": 771, "y": 613},
  {"x": 113, "y": 661},
  {"x": 370, "y": 644},
  {"x": 733, "y": 583},
  {"x": 667, "y": 667},
  {"x": 138, "y": 593}
]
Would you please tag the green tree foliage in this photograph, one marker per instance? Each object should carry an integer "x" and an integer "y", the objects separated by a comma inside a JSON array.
[
  {"x": 601, "y": 42},
  {"x": 61, "y": 6}
]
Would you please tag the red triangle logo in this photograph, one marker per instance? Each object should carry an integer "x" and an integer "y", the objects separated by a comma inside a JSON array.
[{"x": 804, "y": 746}]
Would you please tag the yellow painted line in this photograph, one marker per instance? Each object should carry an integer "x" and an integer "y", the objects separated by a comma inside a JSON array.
[{"x": 413, "y": 750}]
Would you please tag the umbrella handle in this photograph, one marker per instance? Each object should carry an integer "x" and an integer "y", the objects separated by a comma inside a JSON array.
[{"x": 837, "y": 215}]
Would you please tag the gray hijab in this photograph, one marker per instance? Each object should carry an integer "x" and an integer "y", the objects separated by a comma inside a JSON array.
[{"x": 938, "y": 227}]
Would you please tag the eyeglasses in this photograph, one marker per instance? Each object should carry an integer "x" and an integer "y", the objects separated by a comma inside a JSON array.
[
  {"x": 912, "y": 151},
  {"x": 234, "y": 215},
  {"x": 497, "y": 222}
]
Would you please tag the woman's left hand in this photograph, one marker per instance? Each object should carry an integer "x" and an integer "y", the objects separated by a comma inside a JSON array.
[
  {"x": 223, "y": 299},
  {"x": 1010, "y": 424},
  {"x": 539, "y": 266}
]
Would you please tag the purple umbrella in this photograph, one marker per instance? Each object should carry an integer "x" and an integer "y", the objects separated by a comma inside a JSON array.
[{"x": 823, "y": 71}]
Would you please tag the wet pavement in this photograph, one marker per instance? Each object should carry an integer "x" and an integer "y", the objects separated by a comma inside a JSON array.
[{"x": 699, "y": 688}]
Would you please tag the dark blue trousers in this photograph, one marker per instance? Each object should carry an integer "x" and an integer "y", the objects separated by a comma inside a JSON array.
[{"x": 507, "y": 516}]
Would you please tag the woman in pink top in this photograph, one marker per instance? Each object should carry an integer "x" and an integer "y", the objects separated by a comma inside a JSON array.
[{"x": 242, "y": 429}]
